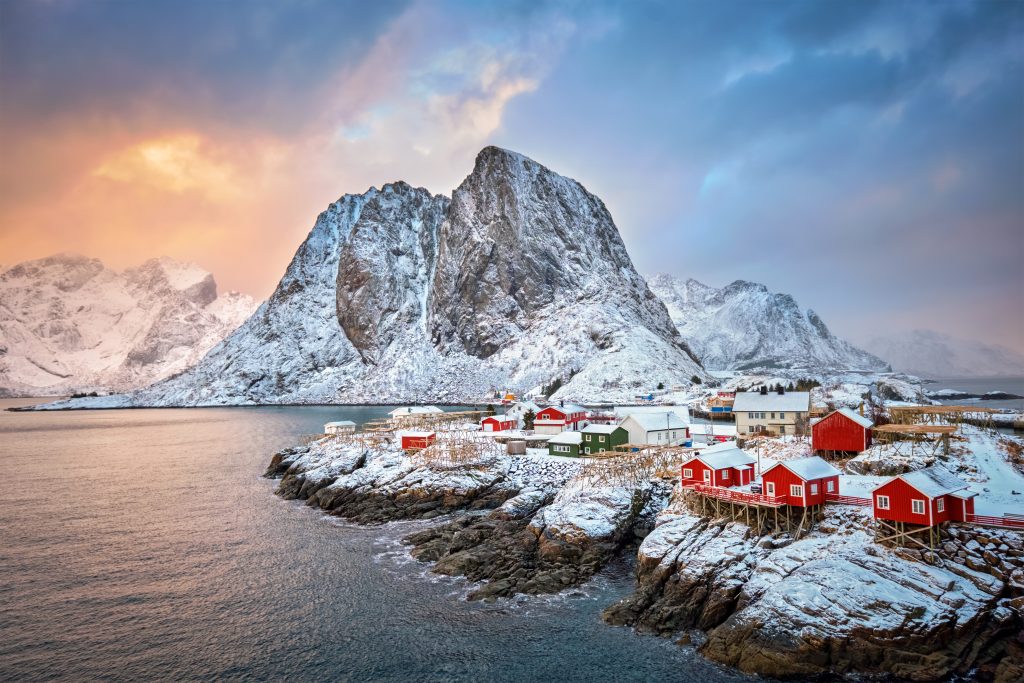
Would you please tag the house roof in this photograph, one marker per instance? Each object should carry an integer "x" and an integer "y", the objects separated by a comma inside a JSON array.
[
  {"x": 682, "y": 411},
  {"x": 571, "y": 438},
  {"x": 932, "y": 481},
  {"x": 654, "y": 422},
  {"x": 791, "y": 401},
  {"x": 415, "y": 410},
  {"x": 418, "y": 435},
  {"x": 724, "y": 455},
  {"x": 601, "y": 429},
  {"x": 716, "y": 429},
  {"x": 807, "y": 468},
  {"x": 567, "y": 408},
  {"x": 341, "y": 423},
  {"x": 853, "y": 415},
  {"x": 502, "y": 418}
]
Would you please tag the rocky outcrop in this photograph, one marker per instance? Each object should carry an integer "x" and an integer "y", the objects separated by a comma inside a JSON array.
[
  {"x": 538, "y": 542},
  {"x": 831, "y": 603}
]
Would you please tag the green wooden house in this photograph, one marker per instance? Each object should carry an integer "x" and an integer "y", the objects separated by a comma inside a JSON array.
[
  {"x": 597, "y": 438},
  {"x": 565, "y": 444}
]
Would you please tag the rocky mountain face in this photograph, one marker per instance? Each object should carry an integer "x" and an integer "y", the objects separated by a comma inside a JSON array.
[
  {"x": 932, "y": 354},
  {"x": 69, "y": 324},
  {"x": 743, "y": 326},
  {"x": 398, "y": 295}
]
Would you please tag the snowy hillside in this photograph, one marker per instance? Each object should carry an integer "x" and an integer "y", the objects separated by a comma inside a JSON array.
[
  {"x": 743, "y": 326},
  {"x": 519, "y": 279},
  {"x": 932, "y": 354},
  {"x": 69, "y": 324}
]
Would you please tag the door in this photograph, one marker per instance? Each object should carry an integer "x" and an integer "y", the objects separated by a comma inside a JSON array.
[
  {"x": 769, "y": 488},
  {"x": 707, "y": 476}
]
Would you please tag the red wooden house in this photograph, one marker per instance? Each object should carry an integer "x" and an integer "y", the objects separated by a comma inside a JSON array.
[
  {"x": 926, "y": 497},
  {"x": 841, "y": 430},
  {"x": 557, "y": 419},
  {"x": 724, "y": 465},
  {"x": 497, "y": 423},
  {"x": 801, "y": 483},
  {"x": 413, "y": 440}
]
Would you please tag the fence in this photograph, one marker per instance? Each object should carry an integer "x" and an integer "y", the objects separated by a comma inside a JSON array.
[
  {"x": 847, "y": 500},
  {"x": 1007, "y": 522},
  {"x": 735, "y": 496}
]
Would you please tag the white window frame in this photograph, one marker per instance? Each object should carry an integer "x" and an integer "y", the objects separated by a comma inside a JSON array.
[
  {"x": 782, "y": 429},
  {"x": 782, "y": 416},
  {"x": 830, "y": 486},
  {"x": 687, "y": 473},
  {"x": 562, "y": 448},
  {"x": 814, "y": 489},
  {"x": 586, "y": 450},
  {"x": 916, "y": 503},
  {"x": 940, "y": 505},
  {"x": 796, "y": 490},
  {"x": 882, "y": 502},
  {"x": 769, "y": 488},
  {"x": 707, "y": 476},
  {"x": 725, "y": 474}
]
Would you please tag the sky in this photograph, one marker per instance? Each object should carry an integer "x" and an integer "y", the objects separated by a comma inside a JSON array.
[{"x": 865, "y": 157}]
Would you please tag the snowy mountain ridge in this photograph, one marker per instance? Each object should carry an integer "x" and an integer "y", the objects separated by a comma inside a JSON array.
[
  {"x": 519, "y": 280},
  {"x": 932, "y": 354},
  {"x": 743, "y": 326},
  {"x": 70, "y": 324}
]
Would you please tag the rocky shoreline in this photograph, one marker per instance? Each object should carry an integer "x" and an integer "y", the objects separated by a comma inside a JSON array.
[{"x": 831, "y": 602}]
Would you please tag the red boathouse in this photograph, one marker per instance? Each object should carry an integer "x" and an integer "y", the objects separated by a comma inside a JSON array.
[
  {"x": 842, "y": 430},
  {"x": 924, "y": 498},
  {"x": 497, "y": 423},
  {"x": 723, "y": 465},
  {"x": 801, "y": 483},
  {"x": 415, "y": 440}
]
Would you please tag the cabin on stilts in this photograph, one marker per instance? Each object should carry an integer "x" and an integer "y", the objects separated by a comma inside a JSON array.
[
  {"x": 802, "y": 485},
  {"x": 841, "y": 431},
  {"x": 913, "y": 507}
]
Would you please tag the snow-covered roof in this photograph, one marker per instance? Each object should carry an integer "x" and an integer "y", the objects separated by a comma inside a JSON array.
[
  {"x": 341, "y": 423},
  {"x": 601, "y": 429},
  {"x": 652, "y": 422},
  {"x": 418, "y": 435},
  {"x": 502, "y": 418},
  {"x": 807, "y": 468},
  {"x": 568, "y": 408},
  {"x": 856, "y": 417},
  {"x": 522, "y": 407},
  {"x": 683, "y": 412},
  {"x": 572, "y": 438},
  {"x": 933, "y": 481},
  {"x": 415, "y": 410},
  {"x": 791, "y": 401},
  {"x": 723, "y": 456}
]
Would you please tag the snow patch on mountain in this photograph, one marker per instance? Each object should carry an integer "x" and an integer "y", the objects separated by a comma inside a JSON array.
[
  {"x": 743, "y": 326},
  {"x": 69, "y": 324},
  {"x": 932, "y": 354}
]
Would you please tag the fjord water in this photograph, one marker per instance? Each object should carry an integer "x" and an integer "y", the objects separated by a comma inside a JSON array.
[{"x": 144, "y": 544}]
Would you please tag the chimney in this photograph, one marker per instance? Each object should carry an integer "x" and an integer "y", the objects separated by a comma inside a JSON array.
[
  {"x": 780, "y": 390},
  {"x": 764, "y": 390}
]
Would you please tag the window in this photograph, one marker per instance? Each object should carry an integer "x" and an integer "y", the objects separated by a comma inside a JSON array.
[
  {"x": 707, "y": 476},
  {"x": 769, "y": 488},
  {"x": 725, "y": 474},
  {"x": 796, "y": 490},
  {"x": 782, "y": 429},
  {"x": 750, "y": 416},
  {"x": 559, "y": 448},
  {"x": 830, "y": 486},
  {"x": 601, "y": 439},
  {"x": 587, "y": 450},
  {"x": 814, "y": 489},
  {"x": 782, "y": 416},
  {"x": 688, "y": 473},
  {"x": 882, "y": 502},
  {"x": 940, "y": 505},
  {"x": 773, "y": 416},
  {"x": 918, "y": 506},
  {"x": 587, "y": 437}
]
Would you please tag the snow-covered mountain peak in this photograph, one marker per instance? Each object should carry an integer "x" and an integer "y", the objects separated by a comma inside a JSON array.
[{"x": 745, "y": 326}]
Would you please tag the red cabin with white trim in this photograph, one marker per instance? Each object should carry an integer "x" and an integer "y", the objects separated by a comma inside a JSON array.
[
  {"x": 497, "y": 423},
  {"x": 724, "y": 465},
  {"x": 842, "y": 430},
  {"x": 926, "y": 498},
  {"x": 414, "y": 440},
  {"x": 801, "y": 483},
  {"x": 555, "y": 419}
]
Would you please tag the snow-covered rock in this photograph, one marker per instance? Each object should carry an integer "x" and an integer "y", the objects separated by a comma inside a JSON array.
[
  {"x": 743, "y": 326},
  {"x": 398, "y": 295},
  {"x": 69, "y": 324}
]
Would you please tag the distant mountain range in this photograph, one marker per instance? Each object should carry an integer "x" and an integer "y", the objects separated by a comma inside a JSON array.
[
  {"x": 932, "y": 354},
  {"x": 743, "y": 326},
  {"x": 69, "y": 324}
]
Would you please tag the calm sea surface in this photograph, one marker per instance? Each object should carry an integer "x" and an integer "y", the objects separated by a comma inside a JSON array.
[
  {"x": 983, "y": 385},
  {"x": 143, "y": 544}
]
